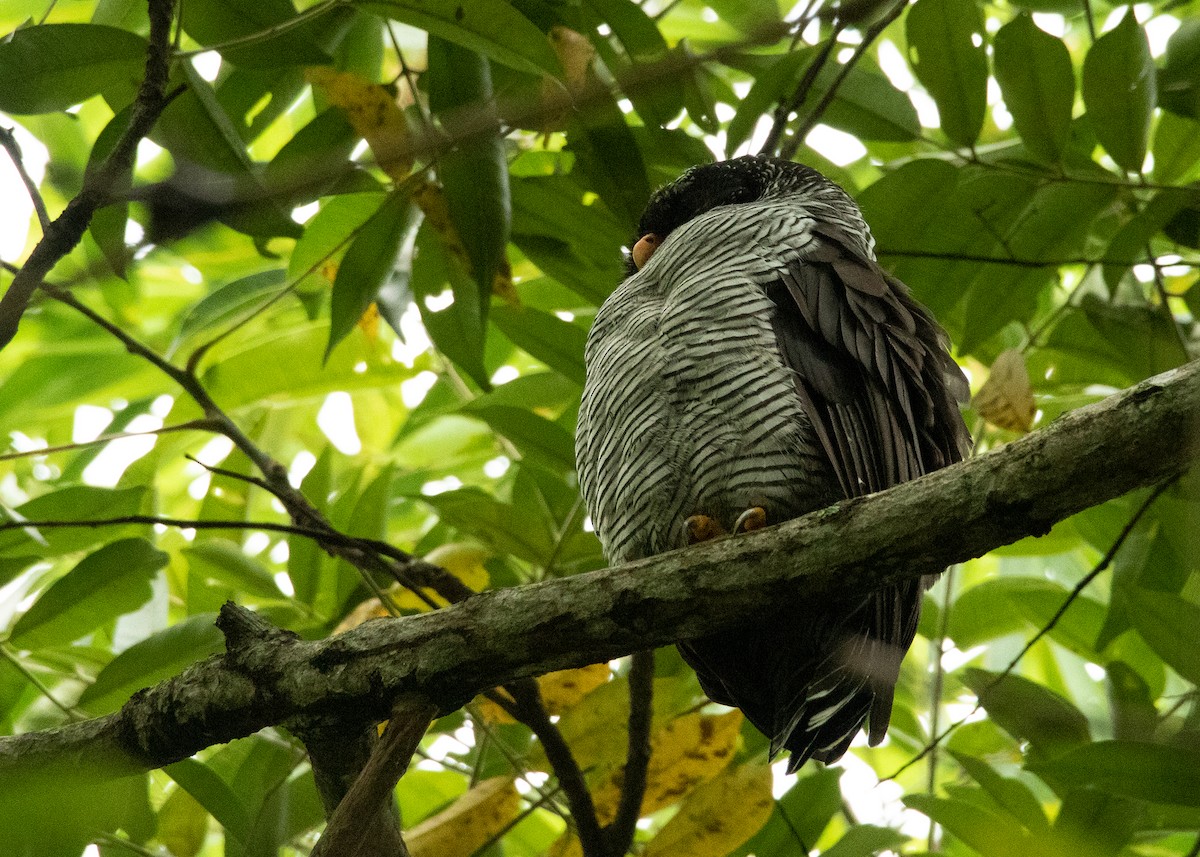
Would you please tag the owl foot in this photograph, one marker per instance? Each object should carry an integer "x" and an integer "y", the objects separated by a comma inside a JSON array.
[
  {"x": 702, "y": 528},
  {"x": 754, "y": 518}
]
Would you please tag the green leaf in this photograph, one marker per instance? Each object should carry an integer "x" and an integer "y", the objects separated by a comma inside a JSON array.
[
  {"x": 158, "y": 657},
  {"x": 490, "y": 27},
  {"x": 212, "y": 793},
  {"x": 215, "y": 22},
  {"x": 1035, "y": 75},
  {"x": 1128, "y": 246},
  {"x": 983, "y": 613},
  {"x": 1133, "y": 713},
  {"x": 942, "y": 44},
  {"x": 862, "y": 840},
  {"x": 1179, "y": 78},
  {"x": 106, "y": 584},
  {"x": 77, "y": 503},
  {"x": 319, "y": 150},
  {"x": 657, "y": 101},
  {"x": 107, "y": 226},
  {"x": 533, "y": 435},
  {"x": 770, "y": 85},
  {"x": 306, "y": 560},
  {"x": 1171, "y": 625},
  {"x": 576, "y": 244},
  {"x": 1056, "y": 221},
  {"x": 458, "y": 330},
  {"x": 558, "y": 344},
  {"x": 1009, "y": 792},
  {"x": 51, "y": 67},
  {"x": 1030, "y": 712},
  {"x": 225, "y": 561},
  {"x": 498, "y": 524},
  {"x": 372, "y": 257},
  {"x": 1119, "y": 91},
  {"x": 1159, "y": 773},
  {"x": 989, "y": 833},
  {"x": 474, "y": 174},
  {"x": 230, "y": 303},
  {"x": 870, "y": 108},
  {"x": 327, "y": 236},
  {"x": 1176, "y": 149}
]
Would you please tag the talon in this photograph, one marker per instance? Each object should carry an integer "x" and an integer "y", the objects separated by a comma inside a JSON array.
[
  {"x": 702, "y": 528},
  {"x": 754, "y": 518}
]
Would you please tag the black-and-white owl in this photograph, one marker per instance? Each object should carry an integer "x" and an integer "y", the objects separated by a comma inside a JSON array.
[{"x": 758, "y": 364}]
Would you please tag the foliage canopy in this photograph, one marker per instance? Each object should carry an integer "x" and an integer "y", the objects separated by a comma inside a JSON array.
[{"x": 401, "y": 323}]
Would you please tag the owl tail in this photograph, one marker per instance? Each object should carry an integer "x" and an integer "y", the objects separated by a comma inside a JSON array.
[{"x": 811, "y": 685}]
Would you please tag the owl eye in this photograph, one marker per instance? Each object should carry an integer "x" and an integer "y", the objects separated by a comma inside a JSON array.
[{"x": 644, "y": 249}]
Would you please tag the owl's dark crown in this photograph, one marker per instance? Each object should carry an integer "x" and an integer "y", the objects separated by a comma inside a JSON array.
[{"x": 705, "y": 187}]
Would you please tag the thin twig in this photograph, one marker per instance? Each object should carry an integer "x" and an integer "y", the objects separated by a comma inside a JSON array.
[
  {"x": 935, "y": 690},
  {"x": 61, "y": 236},
  {"x": 1100, "y": 567},
  {"x": 72, "y": 713},
  {"x": 190, "y": 425},
  {"x": 784, "y": 109},
  {"x": 8, "y": 139},
  {"x": 619, "y": 834},
  {"x": 1160, "y": 286},
  {"x": 789, "y": 147}
]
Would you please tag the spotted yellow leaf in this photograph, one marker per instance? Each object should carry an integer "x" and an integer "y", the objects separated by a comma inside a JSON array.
[
  {"x": 718, "y": 815},
  {"x": 467, "y": 824},
  {"x": 463, "y": 560},
  {"x": 373, "y": 112},
  {"x": 683, "y": 753},
  {"x": 1006, "y": 398},
  {"x": 561, "y": 691},
  {"x": 431, "y": 199}
]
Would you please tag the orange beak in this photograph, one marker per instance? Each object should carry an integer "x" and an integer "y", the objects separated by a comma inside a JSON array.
[{"x": 644, "y": 249}]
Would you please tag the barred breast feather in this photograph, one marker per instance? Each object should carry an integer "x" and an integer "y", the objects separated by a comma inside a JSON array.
[{"x": 761, "y": 358}]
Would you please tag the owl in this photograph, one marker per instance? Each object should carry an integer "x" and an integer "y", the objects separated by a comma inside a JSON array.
[{"x": 757, "y": 364}]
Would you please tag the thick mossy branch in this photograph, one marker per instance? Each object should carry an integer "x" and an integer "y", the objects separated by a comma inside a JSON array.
[{"x": 1133, "y": 439}]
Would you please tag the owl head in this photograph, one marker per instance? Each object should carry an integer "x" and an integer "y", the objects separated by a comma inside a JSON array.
[{"x": 742, "y": 180}]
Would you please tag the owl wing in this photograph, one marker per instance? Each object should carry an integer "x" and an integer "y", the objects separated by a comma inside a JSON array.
[{"x": 874, "y": 376}]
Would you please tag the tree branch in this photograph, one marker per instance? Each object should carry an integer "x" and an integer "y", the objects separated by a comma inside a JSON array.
[
  {"x": 619, "y": 834},
  {"x": 98, "y": 185},
  {"x": 1139, "y": 437},
  {"x": 348, "y": 833}
]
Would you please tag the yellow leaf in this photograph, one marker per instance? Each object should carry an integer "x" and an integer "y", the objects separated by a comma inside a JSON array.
[
  {"x": 182, "y": 824},
  {"x": 369, "y": 609},
  {"x": 719, "y": 815},
  {"x": 595, "y": 729},
  {"x": 685, "y": 752},
  {"x": 369, "y": 322},
  {"x": 373, "y": 112},
  {"x": 565, "y": 689},
  {"x": 431, "y": 199},
  {"x": 1006, "y": 398},
  {"x": 561, "y": 691},
  {"x": 567, "y": 845},
  {"x": 575, "y": 54},
  {"x": 464, "y": 561},
  {"x": 466, "y": 825}
]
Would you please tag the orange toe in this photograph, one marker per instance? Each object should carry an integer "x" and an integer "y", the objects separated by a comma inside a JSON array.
[
  {"x": 702, "y": 528},
  {"x": 754, "y": 518}
]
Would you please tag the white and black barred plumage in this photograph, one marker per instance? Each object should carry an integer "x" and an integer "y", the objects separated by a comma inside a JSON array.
[{"x": 761, "y": 357}]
